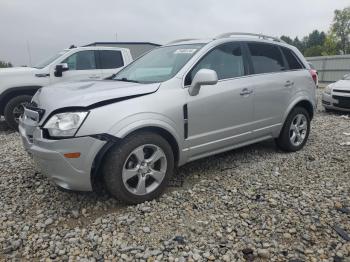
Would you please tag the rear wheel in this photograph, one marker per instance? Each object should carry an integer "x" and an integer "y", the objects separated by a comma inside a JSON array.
[
  {"x": 14, "y": 109},
  {"x": 295, "y": 131},
  {"x": 139, "y": 168}
]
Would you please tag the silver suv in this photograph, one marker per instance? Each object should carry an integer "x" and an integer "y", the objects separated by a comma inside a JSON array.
[{"x": 178, "y": 103}]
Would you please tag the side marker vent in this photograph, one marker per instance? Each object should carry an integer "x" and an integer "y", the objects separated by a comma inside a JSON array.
[{"x": 185, "y": 111}]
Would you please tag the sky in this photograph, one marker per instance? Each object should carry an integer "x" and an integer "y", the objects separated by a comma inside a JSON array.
[{"x": 31, "y": 31}]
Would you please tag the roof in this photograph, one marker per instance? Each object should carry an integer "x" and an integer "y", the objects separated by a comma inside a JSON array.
[{"x": 122, "y": 43}]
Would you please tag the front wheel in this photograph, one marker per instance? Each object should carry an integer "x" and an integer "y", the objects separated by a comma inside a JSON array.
[
  {"x": 14, "y": 109},
  {"x": 295, "y": 131},
  {"x": 138, "y": 169}
]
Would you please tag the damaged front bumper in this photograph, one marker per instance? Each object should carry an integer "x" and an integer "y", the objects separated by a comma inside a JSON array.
[{"x": 49, "y": 155}]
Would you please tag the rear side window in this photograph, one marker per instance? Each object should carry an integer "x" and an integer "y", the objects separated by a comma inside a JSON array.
[
  {"x": 226, "y": 60},
  {"x": 291, "y": 58},
  {"x": 266, "y": 58},
  {"x": 110, "y": 59},
  {"x": 83, "y": 60}
]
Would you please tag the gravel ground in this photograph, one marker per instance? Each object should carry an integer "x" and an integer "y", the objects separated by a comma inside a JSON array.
[{"x": 255, "y": 203}]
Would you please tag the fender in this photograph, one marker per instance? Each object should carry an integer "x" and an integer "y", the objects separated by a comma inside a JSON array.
[
  {"x": 7, "y": 94},
  {"x": 298, "y": 97},
  {"x": 147, "y": 120}
]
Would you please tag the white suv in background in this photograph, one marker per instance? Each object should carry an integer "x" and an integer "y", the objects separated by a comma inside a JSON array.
[{"x": 19, "y": 84}]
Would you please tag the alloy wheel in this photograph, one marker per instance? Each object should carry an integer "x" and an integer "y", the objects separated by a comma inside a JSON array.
[
  {"x": 144, "y": 169},
  {"x": 298, "y": 130}
]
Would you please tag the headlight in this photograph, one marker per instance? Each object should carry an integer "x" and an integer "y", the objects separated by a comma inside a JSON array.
[
  {"x": 328, "y": 90},
  {"x": 65, "y": 124}
]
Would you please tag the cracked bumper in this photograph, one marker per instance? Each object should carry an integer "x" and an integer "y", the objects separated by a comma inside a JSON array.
[{"x": 68, "y": 173}]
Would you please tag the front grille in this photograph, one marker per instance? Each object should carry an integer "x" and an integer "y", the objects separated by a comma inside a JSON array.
[
  {"x": 343, "y": 102},
  {"x": 341, "y": 91},
  {"x": 32, "y": 106}
]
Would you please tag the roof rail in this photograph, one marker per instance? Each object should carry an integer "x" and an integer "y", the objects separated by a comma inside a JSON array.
[
  {"x": 181, "y": 40},
  {"x": 261, "y": 36}
]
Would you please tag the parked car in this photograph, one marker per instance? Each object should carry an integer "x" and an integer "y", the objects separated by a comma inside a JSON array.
[
  {"x": 336, "y": 96},
  {"x": 19, "y": 84},
  {"x": 178, "y": 103},
  {"x": 314, "y": 74}
]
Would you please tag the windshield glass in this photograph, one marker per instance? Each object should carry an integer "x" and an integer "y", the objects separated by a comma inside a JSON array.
[
  {"x": 159, "y": 65},
  {"x": 46, "y": 62}
]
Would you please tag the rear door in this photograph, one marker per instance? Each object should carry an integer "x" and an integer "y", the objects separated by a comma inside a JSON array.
[
  {"x": 110, "y": 62},
  {"x": 220, "y": 115},
  {"x": 82, "y": 65},
  {"x": 273, "y": 87}
]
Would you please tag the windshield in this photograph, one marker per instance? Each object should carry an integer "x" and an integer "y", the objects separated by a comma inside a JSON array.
[
  {"x": 46, "y": 62},
  {"x": 159, "y": 65}
]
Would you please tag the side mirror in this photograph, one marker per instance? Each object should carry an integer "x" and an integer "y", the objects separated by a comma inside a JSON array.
[
  {"x": 345, "y": 77},
  {"x": 202, "y": 77},
  {"x": 60, "y": 68}
]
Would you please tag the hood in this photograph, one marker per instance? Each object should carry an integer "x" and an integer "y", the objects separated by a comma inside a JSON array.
[
  {"x": 16, "y": 70},
  {"x": 88, "y": 93},
  {"x": 341, "y": 85},
  {"x": 17, "y": 76}
]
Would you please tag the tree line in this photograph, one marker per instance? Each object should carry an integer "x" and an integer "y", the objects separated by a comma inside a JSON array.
[
  {"x": 5, "y": 64},
  {"x": 334, "y": 42}
]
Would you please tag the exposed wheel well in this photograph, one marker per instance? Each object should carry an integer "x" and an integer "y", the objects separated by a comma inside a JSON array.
[
  {"x": 13, "y": 93},
  {"x": 308, "y": 106},
  {"x": 112, "y": 141}
]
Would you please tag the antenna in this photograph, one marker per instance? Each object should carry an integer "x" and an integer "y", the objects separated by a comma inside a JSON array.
[{"x": 29, "y": 54}]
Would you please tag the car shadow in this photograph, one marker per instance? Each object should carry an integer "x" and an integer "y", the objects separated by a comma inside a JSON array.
[{"x": 4, "y": 127}]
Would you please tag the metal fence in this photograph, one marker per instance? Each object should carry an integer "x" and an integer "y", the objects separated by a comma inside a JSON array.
[{"x": 331, "y": 68}]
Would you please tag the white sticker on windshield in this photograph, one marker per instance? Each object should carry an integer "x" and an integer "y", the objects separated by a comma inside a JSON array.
[{"x": 185, "y": 51}]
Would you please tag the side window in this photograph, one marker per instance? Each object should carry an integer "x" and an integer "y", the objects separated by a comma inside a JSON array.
[
  {"x": 110, "y": 59},
  {"x": 266, "y": 58},
  {"x": 226, "y": 60},
  {"x": 83, "y": 60},
  {"x": 291, "y": 58}
]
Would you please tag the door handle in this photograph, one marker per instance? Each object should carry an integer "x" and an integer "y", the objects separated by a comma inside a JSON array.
[
  {"x": 289, "y": 83},
  {"x": 246, "y": 92},
  {"x": 94, "y": 77}
]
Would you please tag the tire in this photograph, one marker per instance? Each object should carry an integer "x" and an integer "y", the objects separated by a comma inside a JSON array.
[
  {"x": 286, "y": 141},
  {"x": 15, "y": 103},
  {"x": 120, "y": 177}
]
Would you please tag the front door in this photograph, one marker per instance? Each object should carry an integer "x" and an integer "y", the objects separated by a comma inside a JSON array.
[
  {"x": 81, "y": 66},
  {"x": 220, "y": 115}
]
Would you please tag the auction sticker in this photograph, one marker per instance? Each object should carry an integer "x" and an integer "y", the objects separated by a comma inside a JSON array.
[{"x": 185, "y": 51}]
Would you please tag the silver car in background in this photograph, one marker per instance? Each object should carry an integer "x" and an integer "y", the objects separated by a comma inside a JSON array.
[
  {"x": 336, "y": 96},
  {"x": 178, "y": 103}
]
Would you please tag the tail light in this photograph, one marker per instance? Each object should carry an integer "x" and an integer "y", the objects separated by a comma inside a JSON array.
[{"x": 313, "y": 73}]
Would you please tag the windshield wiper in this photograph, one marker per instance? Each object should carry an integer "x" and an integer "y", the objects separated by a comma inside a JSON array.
[{"x": 124, "y": 79}]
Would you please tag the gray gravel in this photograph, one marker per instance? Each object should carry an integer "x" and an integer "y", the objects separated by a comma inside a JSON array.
[{"x": 255, "y": 203}]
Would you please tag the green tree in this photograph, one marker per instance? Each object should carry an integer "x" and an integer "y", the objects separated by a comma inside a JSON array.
[
  {"x": 299, "y": 44},
  {"x": 330, "y": 46},
  {"x": 315, "y": 38},
  {"x": 341, "y": 28},
  {"x": 287, "y": 39},
  {"x": 314, "y": 51},
  {"x": 5, "y": 64}
]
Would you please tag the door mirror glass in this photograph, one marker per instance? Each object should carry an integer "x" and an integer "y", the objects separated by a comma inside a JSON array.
[
  {"x": 202, "y": 77},
  {"x": 60, "y": 68}
]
